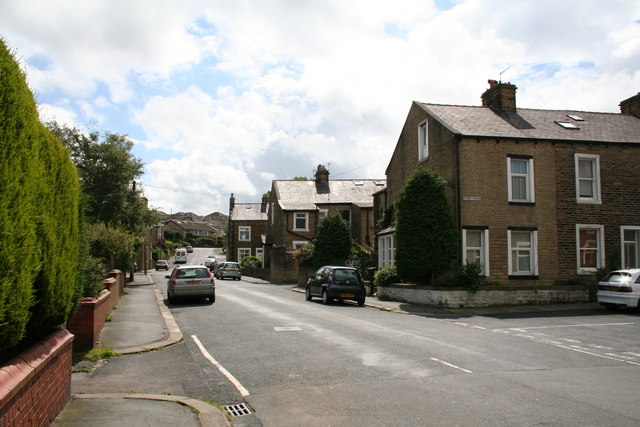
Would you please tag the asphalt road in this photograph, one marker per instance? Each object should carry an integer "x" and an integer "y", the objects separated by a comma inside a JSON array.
[{"x": 296, "y": 363}]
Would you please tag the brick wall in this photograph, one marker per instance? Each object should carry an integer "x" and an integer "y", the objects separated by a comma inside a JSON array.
[
  {"x": 89, "y": 319},
  {"x": 36, "y": 385}
]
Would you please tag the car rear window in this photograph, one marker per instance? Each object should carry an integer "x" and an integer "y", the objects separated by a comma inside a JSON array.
[
  {"x": 232, "y": 265},
  {"x": 344, "y": 275},
  {"x": 191, "y": 273},
  {"x": 617, "y": 277}
]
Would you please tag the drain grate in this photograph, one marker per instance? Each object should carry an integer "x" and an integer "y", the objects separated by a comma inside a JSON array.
[{"x": 238, "y": 409}]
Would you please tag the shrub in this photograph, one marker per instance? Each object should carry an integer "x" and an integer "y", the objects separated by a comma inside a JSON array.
[
  {"x": 332, "y": 245},
  {"x": 426, "y": 237},
  {"x": 386, "y": 276},
  {"x": 250, "y": 263},
  {"x": 470, "y": 276},
  {"x": 363, "y": 259}
]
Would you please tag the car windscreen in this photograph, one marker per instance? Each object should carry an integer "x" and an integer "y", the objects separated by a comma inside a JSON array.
[{"x": 617, "y": 277}]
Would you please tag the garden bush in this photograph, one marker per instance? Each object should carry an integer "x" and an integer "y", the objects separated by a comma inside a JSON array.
[{"x": 386, "y": 276}]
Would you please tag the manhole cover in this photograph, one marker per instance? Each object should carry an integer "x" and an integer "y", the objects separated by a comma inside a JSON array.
[{"x": 237, "y": 410}]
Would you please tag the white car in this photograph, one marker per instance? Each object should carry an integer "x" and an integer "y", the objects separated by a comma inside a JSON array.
[
  {"x": 620, "y": 288},
  {"x": 211, "y": 259}
]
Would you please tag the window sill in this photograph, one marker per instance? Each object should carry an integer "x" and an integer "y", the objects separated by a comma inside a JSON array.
[
  {"x": 523, "y": 277},
  {"x": 521, "y": 203}
]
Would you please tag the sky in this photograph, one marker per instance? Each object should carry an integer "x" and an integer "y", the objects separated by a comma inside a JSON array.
[{"x": 224, "y": 96}]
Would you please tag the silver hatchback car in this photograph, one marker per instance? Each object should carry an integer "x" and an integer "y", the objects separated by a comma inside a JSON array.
[
  {"x": 191, "y": 281},
  {"x": 228, "y": 269}
]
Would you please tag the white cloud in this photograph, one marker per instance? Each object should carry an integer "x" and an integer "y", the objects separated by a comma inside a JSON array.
[{"x": 241, "y": 92}]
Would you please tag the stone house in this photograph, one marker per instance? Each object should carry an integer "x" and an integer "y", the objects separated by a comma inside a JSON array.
[
  {"x": 298, "y": 206},
  {"x": 539, "y": 196},
  {"x": 247, "y": 227},
  {"x": 194, "y": 228}
]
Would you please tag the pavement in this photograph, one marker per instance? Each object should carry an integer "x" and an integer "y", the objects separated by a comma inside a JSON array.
[{"x": 142, "y": 323}]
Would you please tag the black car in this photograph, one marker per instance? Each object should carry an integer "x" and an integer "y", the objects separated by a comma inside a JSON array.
[{"x": 341, "y": 283}]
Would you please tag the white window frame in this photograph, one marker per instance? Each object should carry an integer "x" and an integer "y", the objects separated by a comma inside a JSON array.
[
  {"x": 322, "y": 214},
  {"x": 533, "y": 253},
  {"x": 260, "y": 254},
  {"x": 599, "y": 249},
  {"x": 595, "y": 159},
  {"x": 296, "y": 244},
  {"x": 484, "y": 248},
  {"x": 247, "y": 229},
  {"x": 241, "y": 250},
  {"x": 423, "y": 140},
  {"x": 636, "y": 243},
  {"x": 304, "y": 215},
  {"x": 529, "y": 177},
  {"x": 386, "y": 246}
]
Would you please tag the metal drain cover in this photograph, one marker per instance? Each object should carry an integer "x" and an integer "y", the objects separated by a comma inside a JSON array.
[{"x": 237, "y": 410}]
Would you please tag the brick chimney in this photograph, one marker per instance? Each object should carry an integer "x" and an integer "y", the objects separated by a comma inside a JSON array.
[
  {"x": 322, "y": 175},
  {"x": 500, "y": 96},
  {"x": 631, "y": 105}
]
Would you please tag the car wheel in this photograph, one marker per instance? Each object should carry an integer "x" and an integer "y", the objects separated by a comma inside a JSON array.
[
  {"x": 212, "y": 299},
  {"x": 307, "y": 294},
  {"x": 361, "y": 302},
  {"x": 612, "y": 307},
  {"x": 171, "y": 299},
  {"x": 325, "y": 298}
]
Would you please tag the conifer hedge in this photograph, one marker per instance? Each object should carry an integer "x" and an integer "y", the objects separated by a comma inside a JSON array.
[
  {"x": 426, "y": 237},
  {"x": 39, "y": 233}
]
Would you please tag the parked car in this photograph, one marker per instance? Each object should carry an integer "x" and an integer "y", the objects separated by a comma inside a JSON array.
[
  {"x": 620, "y": 288},
  {"x": 162, "y": 264},
  {"x": 190, "y": 249},
  {"x": 211, "y": 259},
  {"x": 341, "y": 283},
  {"x": 191, "y": 281},
  {"x": 228, "y": 269}
]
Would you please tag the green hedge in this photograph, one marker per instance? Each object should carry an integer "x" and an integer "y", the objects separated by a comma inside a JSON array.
[{"x": 38, "y": 215}]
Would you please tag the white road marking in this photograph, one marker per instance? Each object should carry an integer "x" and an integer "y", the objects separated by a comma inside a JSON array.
[
  {"x": 286, "y": 328},
  {"x": 243, "y": 391},
  {"x": 451, "y": 365}
]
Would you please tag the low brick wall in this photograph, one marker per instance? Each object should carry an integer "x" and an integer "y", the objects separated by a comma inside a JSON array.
[
  {"x": 486, "y": 297},
  {"x": 36, "y": 385},
  {"x": 89, "y": 319}
]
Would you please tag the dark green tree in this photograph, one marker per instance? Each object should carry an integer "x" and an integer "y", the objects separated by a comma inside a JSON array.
[
  {"x": 332, "y": 244},
  {"x": 107, "y": 172},
  {"x": 426, "y": 238}
]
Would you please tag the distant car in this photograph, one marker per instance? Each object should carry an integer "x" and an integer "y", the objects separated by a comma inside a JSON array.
[
  {"x": 211, "y": 259},
  {"x": 191, "y": 281},
  {"x": 162, "y": 264},
  {"x": 332, "y": 282},
  {"x": 180, "y": 256},
  {"x": 620, "y": 288},
  {"x": 189, "y": 249},
  {"x": 228, "y": 269}
]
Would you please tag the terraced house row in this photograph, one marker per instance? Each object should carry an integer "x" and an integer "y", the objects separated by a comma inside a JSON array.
[{"x": 539, "y": 196}]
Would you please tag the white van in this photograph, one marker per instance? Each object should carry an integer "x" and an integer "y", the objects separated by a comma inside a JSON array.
[{"x": 181, "y": 256}]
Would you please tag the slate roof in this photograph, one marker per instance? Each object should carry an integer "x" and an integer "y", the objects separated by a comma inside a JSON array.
[
  {"x": 249, "y": 212},
  {"x": 297, "y": 195},
  {"x": 192, "y": 225},
  {"x": 484, "y": 122}
]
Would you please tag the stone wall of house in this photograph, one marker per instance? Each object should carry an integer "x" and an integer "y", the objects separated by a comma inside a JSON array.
[
  {"x": 484, "y": 202},
  {"x": 619, "y": 176}
]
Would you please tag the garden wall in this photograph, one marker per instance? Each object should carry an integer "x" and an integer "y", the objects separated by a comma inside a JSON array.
[
  {"x": 486, "y": 297},
  {"x": 89, "y": 319},
  {"x": 36, "y": 385}
]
